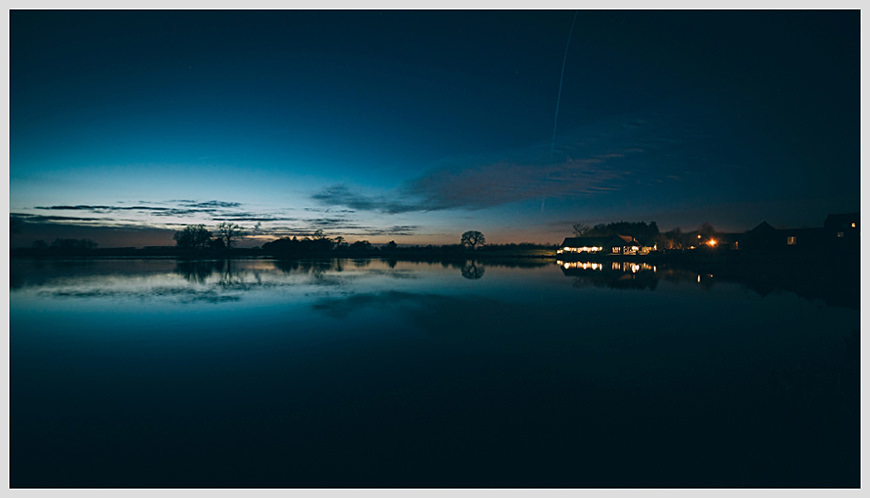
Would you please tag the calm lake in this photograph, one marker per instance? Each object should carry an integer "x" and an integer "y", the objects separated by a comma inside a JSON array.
[{"x": 368, "y": 373}]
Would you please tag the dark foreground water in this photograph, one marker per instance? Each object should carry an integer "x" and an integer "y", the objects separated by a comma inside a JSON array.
[{"x": 152, "y": 373}]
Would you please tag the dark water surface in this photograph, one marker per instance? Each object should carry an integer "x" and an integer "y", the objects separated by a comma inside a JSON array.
[{"x": 364, "y": 373}]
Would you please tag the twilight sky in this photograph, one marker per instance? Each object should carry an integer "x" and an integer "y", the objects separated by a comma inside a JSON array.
[{"x": 417, "y": 126}]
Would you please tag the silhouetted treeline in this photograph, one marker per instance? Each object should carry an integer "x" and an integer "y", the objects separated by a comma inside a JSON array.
[
  {"x": 323, "y": 246},
  {"x": 60, "y": 247},
  {"x": 291, "y": 248},
  {"x": 198, "y": 237},
  {"x": 676, "y": 239},
  {"x": 294, "y": 246},
  {"x": 647, "y": 234}
]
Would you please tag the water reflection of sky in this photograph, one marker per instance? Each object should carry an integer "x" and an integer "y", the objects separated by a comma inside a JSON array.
[
  {"x": 167, "y": 282},
  {"x": 252, "y": 367},
  {"x": 201, "y": 281},
  {"x": 504, "y": 300}
]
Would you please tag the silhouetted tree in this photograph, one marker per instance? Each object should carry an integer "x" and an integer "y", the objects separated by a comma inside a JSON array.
[
  {"x": 582, "y": 230},
  {"x": 228, "y": 233},
  {"x": 192, "y": 237},
  {"x": 361, "y": 245},
  {"x": 39, "y": 244},
  {"x": 340, "y": 243},
  {"x": 472, "y": 239},
  {"x": 321, "y": 243},
  {"x": 391, "y": 245},
  {"x": 674, "y": 239}
]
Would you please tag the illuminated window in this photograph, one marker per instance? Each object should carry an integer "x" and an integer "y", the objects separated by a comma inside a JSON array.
[
  {"x": 853, "y": 224},
  {"x": 839, "y": 235},
  {"x": 791, "y": 240}
]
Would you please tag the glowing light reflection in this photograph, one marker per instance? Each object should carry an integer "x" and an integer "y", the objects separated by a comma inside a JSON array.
[{"x": 582, "y": 266}]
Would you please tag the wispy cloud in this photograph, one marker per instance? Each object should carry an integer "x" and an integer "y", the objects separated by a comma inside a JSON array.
[
  {"x": 343, "y": 196},
  {"x": 211, "y": 204},
  {"x": 482, "y": 186},
  {"x": 104, "y": 209},
  {"x": 179, "y": 208},
  {"x": 393, "y": 230},
  {"x": 252, "y": 218},
  {"x": 34, "y": 218},
  {"x": 345, "y": 229},
  {"x": 591, "y": 161},
  {"x": 495, "y": 184}
]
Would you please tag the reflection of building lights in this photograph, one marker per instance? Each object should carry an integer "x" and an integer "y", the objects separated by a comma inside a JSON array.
[
  {"x": 635, "y": 268},
  {"x": 699, "y": 279},
  {"x": 581, "y": 266},
  {"x": 712, "y": 242}
]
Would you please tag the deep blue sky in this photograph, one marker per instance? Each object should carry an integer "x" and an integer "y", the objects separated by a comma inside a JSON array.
[{"x": 417, "y": 126}]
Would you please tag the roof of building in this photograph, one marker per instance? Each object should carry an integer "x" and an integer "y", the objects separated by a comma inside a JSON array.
[{"x": 763, "y": 227}]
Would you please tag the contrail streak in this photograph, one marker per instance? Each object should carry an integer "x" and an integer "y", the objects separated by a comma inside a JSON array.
[{"x": 559, "y": 95}]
